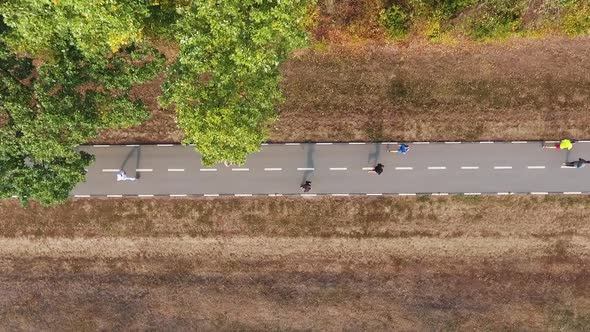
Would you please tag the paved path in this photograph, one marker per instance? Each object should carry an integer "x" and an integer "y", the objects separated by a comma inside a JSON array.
[{"x": 341, "y": 169}]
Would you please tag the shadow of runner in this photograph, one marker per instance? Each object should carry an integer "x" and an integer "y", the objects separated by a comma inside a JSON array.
[
  {"x": 374, "y": 156},
  {"x": 309, "y": 162},
  {"x": 135, "y": 149}
]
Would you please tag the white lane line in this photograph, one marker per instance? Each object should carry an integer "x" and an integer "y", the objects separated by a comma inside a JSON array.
[
  {"x": 368, "y": 168},
  {"x": 101, "y": 145},
  {"x": 275, "y": 195},
  {"x": 452, "y": 142},
  {"x": 305, "y": 168},
  {"x": 114, "y": 196},
  {"x": 308, "y": 195},
  {"x": 211, "y": 195},
  {"x": 208, "y": 170},
  {"x": 356, "y": 143},
  {"x": 240, "y": 169},
  {"x": 338, "y": 168},
  {"x": 340, "y": 194},
  {"x": 486, "y": 142},
  {"x": 145, "y": 195},
  {"x": 572, "y": 192},
  {"x": 404, "y": 168},
  {"x": 177, "y": 195},
  {"x": 407, "y": 194},
  {"x": 374, "y": 194},
  {"x": 519, "y": 142},
  {"x": 270, "y": 169},
  {"x": 471, "y": 194},
  {"x": 292, "y": 143},
  {"x": 440, "y": 194},
  {"x": 164, "y": 144},
  {"x": 264, "y": 144},
  {"x": 131, "y": 144},
  {"x": 242, "y": 195},
  {"x": 175, "y": 169},
  {"x": 503, "y": 193},
  {"x": 110, "y": 170},
  {"x": 562, "y": 166},
  {"x": 539, "y": 193},
  {"x": 535, "y": 167},
  {"x": 324, "y": 143},
  {"x": 79, "y": 196},
  {"x": 421, "y": 143},
  {"x": 502, "y": 167},
  {"x": 144, "y": 169},
  {"x": 582, "y": 141},
  {"x": 469, "y": 167},
  {"x": 437, "y": 167}
]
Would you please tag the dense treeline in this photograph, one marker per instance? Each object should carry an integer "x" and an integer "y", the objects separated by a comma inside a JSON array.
[{"x": 67, "y": 68}]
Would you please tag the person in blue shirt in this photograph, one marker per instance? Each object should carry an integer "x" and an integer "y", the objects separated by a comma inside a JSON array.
[{"x": 403, "y": 149}]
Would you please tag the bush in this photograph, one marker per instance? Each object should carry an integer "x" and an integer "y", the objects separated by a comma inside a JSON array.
[
  {"x": 498, "y": 19},
  {"x": 396, "y": 21},
  {"x": 576, "y": 21}
]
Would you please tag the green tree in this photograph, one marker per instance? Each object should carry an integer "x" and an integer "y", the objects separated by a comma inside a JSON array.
[
  {"x": 47, "y": 110},
  {"x": 97, "y": 27},
  {"x": 225, "y": 82}
]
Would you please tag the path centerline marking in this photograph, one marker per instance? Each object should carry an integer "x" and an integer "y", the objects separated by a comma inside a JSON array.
[
  {"x": 437, "y": 167},
  {"x": 469, "y": 167},
  {"x": 502, "y": 167},
  {"x": 240, "y": 169},
  {"x": 305, "y": 168},
  {"x": 208, "y": 170},
  {"x": 270, "y": 169},
  {"x": 110, "y": 170},
  {"x": 175, "y": 169},
  {"x": 535, "y": 167},
  {"x": 338, "y": 168},
  {"x": 404, "y": 168}
]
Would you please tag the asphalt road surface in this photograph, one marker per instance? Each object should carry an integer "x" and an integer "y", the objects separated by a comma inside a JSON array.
[{"x": 341, "y": 169}]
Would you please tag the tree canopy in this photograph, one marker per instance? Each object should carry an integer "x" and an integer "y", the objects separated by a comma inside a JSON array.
[
  {"x": 48, "y": 109},
  {"x": 225, "y": 83}
]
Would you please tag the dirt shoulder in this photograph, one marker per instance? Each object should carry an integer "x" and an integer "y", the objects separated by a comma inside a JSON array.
[
  {"x": 519, "y": 89},
  {"x": 404, "y": 263}
]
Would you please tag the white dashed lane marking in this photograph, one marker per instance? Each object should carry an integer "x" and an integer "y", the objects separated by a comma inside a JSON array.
[
  {"x": 165, "y": 145},
  {"x": 404, "y": 168},
  {"x": 175, "y": 169},
  {"x": 374, "y": 194},
  {"x": 114, "y": 196},
  {"x": 539, "y": 193},
  {"x": 144, "y": 170},
  {"x": 270, "y": 169},
  {"x": 178, "y": 195},
  {"x": 208, "y": 170},
  {"x": 472, "y": 194},
  {"x": 78, "y": 196},
  {"x": 110, "y": 170},
  {"x": 211, "y": 195},
  {"x": 240, "y": 169},
  {"x": 338, "y": 168},
  {"x": 368, "y": 168},
  {"x": 469, "y": 167},
  {"x": 437, "y": 167},
  {"x": 502, "y": 167},
  {"x": 340, "y": 194},
  {"x": 145, "y": 195},
  {"x": 572, "y": 192},
  {"x": 242, "y": 195},
  {"x": 535, "y": 167},
  {"x": 305, "y": 168}
]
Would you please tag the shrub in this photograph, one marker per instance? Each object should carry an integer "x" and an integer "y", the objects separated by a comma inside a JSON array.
[{"x": 396, "y": 21}]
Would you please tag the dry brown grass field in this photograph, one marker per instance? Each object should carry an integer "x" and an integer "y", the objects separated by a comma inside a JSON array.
[
  {"x": 422, "y": 263},
  {"x": 517, "y": 89}
]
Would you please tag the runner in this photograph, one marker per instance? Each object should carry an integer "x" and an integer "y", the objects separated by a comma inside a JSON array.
[
  {"x": 378, "y": 169},
  {"x": 306, "y": 186},
  {"x": 403, "y": 148},
  {"x": 122, "y": 176},
  {"x": 578, "y": 163},
  {"x": 564, "y": 144}
]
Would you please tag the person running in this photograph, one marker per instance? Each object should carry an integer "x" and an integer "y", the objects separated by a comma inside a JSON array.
[
  {"x": 403, "y": 148},
  {"x": 306, "y": 186},
  {"x": 378, "y": 169},
  {"x": 578, "y": 163},
  {"x": 564, "y": 144},
  {"x": 122, "y": 176}
]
